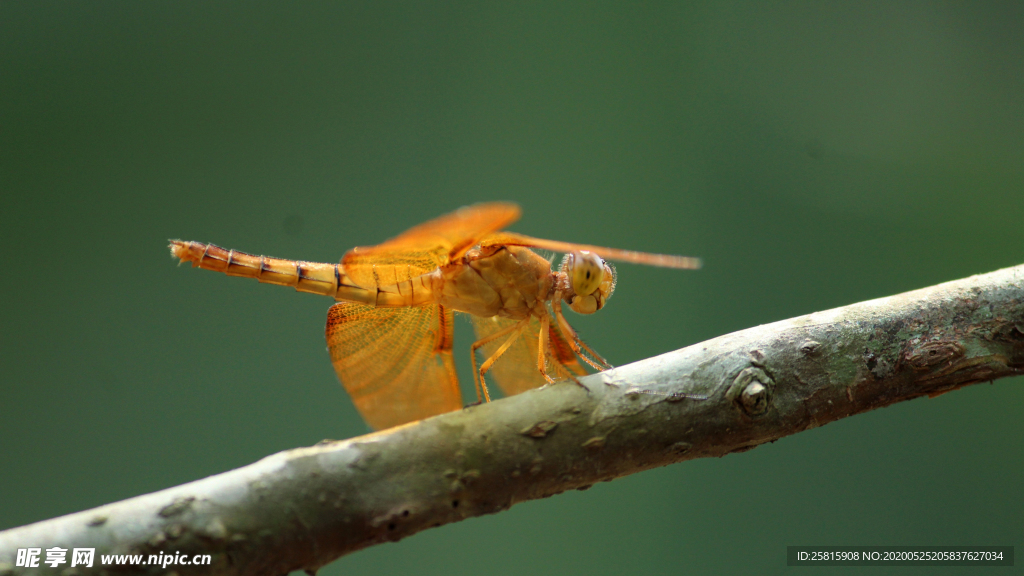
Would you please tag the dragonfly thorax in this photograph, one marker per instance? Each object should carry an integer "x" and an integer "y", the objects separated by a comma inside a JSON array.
[{"x": 507, "y": 281}]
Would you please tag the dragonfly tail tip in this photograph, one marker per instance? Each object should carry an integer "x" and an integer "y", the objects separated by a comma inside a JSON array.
[{"x": 179, "y": 250}]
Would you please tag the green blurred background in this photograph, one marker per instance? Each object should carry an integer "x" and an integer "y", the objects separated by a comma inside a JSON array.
[{"x": 814, "y": 154}]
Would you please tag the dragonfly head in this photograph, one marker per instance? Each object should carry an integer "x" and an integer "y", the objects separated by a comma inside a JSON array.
[{"x": 591, "y": 281}]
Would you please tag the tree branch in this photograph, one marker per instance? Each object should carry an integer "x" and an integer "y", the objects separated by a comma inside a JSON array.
[{"x": 303, "y": 508}]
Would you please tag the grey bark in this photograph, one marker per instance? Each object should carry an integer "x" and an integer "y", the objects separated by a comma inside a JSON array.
[{"x": 303, "y": 508}]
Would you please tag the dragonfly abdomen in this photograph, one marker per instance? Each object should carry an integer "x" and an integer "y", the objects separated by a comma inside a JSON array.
[{"x": 313, "y": 277}]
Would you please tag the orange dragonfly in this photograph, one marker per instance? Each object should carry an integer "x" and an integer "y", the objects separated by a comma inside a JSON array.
[{"x": 390, "y": 334}]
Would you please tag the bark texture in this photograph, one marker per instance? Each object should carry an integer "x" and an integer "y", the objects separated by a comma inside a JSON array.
[{"x": 303, "y": 508}]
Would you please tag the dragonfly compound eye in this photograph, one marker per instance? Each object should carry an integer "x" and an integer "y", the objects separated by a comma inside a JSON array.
[
  {"x": 586, "y": 270},
  {"x": 592, "y": 281}
]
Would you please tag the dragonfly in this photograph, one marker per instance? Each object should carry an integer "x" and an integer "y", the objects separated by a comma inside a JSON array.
[{"x": 390, "y": 334}]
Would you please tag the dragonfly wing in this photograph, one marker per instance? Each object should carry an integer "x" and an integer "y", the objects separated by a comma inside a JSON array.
[
  {"x": 395, "y": 363},
  {"x": 662, "y": 260},
  {"x": 423, "y": 248},
  {"x": 516, "y": 370}
]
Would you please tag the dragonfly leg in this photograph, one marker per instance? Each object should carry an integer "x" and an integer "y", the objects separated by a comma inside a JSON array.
[
  {"x": 574, "y": 340},
  {"x": 546, "y": 353},
  {"x": 478, "y": 380},
  {"x": 517, "y": 331},
  {"x": 542, "y": 348}
]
